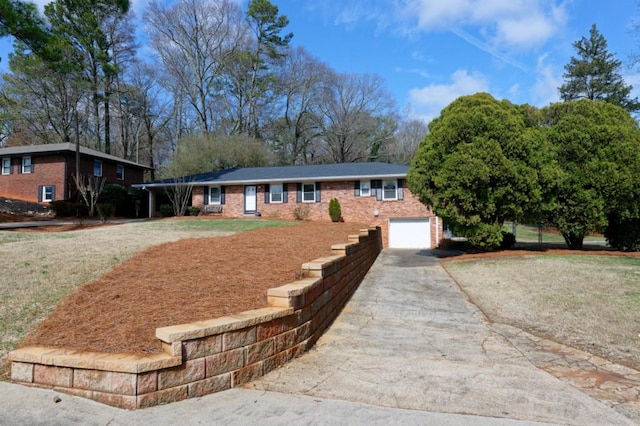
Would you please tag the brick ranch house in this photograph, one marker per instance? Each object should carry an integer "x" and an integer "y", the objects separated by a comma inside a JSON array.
[
  {"x": 44, "y": 173},
  {"x": 371, "y": 193}
]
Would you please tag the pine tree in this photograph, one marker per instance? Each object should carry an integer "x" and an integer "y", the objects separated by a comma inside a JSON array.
[{"x": 595, "y": 74}]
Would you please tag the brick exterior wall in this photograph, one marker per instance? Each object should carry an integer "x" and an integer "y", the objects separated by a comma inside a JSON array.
[
  {"x": 58, "y": 170},
  {"x": 354, "y": 209},
  {"x": 212, "y": 355}
]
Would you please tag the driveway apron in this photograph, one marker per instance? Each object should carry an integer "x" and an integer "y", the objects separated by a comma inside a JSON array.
[{"x": 410, "y": 339}]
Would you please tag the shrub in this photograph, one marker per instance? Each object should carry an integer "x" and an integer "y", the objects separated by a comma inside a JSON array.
[
  {"x": 508, "y": 240},
  {"x": 166, "y": 210},
  {"x": 63, "y": 208},
  {"x": 193, "y": 210},
  {"x": 301, "y": 212},
  {"x": 623, "y": 234},
  {"x": 335, "y": 211},
  {"x": 106, "y": 210}
]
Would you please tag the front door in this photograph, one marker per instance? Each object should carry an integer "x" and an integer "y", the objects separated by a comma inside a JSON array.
[{"x": 250, "y": 200}]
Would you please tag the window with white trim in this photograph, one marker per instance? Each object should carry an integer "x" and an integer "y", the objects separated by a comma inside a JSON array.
[
  {"x": 119, "y": 172},
  {"x": 390, "y": 190},
  {"x": 308, "y": 193},
  {"x": 365, "y": 188},
  {"x": 97, "y": 168},
  {"x": 215, "y": 195},
  {"x": 48, "y": 193},
  {"x": 26, "y": 165},
  {"x": 6, "y": 166},
  {"x": 275, "y": 193}
]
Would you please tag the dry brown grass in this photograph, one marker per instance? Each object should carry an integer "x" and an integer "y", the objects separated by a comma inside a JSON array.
[
  {"x": 38, "y": 269},
  {"x": 591, "y": 302}
]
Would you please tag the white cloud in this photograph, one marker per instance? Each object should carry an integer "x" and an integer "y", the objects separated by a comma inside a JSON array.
[
  {"x": 548, "y": 80},
  {"x": 427, "y": 102},
  {"x": 511, "y": 24}
]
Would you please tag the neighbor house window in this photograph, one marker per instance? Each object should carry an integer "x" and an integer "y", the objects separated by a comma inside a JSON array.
[
  {"x": 48, "y": 193},
  {"x": 308, "y": 192},
  {"x": 120, "y": 172},
  {"x": 6, "y": 166},
  {"x": 97, "y": 168},
  {"x": 365, "y": 188},
  {"x": 275, "y": 192},
  {"x": 390, "y": 190},
  {"x": 26, "y": 165},
  {"x": 214, "y": 195}
]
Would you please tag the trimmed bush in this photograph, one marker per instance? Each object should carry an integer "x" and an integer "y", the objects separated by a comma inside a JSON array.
[
  {"x": 105, "y": 210},
  {"x": 301, "y": 212},
  {"x": 335, "y": 211},
  {"x": 63, "y": 208},
  {"x": 166, "y": 210},
  {"x": 508, "y": 240},
  {"x": 193, "y": 210},
  {"x": 623, "y": 234}
]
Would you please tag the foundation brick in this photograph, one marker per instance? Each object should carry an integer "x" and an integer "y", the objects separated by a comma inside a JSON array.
[
  {"x": 246, "y": 374},
  {"x": 22, "y": 372},
  {"x": 53, "y": 376},
  {"x": 210, "y": 385},
  {"x": 201, "y": 348},
  {"x": 120, "y": 401},
  {"x": 147, "y": 383},
  {"x": 163, "y": 397},
  {"x": 237, "y": 339},
  {"x": 224, "y": 362},
  {"x": 260, "y": 351},
  {"x": 268, "y": 330},
  {"x": 105, "y": 381},
  {"x": 190, "y": 371}
]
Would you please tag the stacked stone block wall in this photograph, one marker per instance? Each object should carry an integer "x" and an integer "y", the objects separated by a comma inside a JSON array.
[{"x": 210, "y": 356}]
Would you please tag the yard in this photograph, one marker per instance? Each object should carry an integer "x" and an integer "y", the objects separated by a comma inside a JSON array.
[
  {"x": 588, "y": 301},
  {"x": 185, "y": 270}
]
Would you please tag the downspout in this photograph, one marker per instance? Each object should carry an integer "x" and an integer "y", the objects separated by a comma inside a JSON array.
[{"x": 437, "y": 232}]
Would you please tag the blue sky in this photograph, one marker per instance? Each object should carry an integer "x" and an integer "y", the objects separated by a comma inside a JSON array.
[{"x": 432, "y": 51}]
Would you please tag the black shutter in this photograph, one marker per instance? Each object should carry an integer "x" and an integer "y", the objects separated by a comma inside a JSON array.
[
  {"x": 298, "y": 192},
  {"x": 267, "y": 188},
  {"x": 19, "y": 165},
  {"x": 356, "y": 188},
  {"x": 33, "y": 167},
  {"x": 205, "y": 190},
  {"x": 53, "y": 193},
  {"x": 317, "y": 192},
  {"x": 377, "y": 185},
  {"x": 40, "y": 189},
  {"x": 400, "y": 189},
  {"x": 222, "y": 194},
  {"x": 285, "y": 193}
]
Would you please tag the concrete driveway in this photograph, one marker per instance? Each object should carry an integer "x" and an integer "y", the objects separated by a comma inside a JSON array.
[{"x": 407, "y": 349}]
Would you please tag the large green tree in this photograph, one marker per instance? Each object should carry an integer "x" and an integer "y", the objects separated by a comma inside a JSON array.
[
  {"x": 22, "y": 21},
  {"x": 596, "y": 147},
  {"x": 595, "y": 74},
  {"x": 480, "y": 165}
]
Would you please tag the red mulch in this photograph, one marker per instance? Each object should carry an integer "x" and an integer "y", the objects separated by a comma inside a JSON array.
[{"x": 182, "y": 282}]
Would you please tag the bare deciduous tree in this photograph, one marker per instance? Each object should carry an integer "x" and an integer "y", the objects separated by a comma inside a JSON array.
[
  {"x": 90, "y": 188},
  {"x": 179, "y": 194}
]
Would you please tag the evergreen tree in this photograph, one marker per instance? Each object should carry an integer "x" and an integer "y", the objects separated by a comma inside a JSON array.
[{"x": 595, "y": 74}]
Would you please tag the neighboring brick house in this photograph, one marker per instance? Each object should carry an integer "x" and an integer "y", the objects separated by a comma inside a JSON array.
[
  {"x": 370, "y": 193},
  {"x": 44, "y": 173}
]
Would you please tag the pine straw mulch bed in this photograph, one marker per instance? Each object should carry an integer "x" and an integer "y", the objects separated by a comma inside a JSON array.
[{"x": 181, "y": 282}]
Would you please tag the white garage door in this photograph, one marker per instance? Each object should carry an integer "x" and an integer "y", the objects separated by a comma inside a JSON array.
[{"x": 409, "y": 233}]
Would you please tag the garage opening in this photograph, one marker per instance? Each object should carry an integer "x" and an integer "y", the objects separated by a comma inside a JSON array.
[{"x": 412, "y": 233}]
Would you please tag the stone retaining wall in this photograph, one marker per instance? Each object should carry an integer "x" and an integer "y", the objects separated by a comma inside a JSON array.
[{"x": 210, "y": 356}]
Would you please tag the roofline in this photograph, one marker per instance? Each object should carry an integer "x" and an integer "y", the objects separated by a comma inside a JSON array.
[
  {"x": 287, "y": 180},
  {"x": 66, "y": 147}
]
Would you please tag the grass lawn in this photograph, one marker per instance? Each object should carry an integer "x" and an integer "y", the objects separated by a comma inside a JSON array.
[
  {"x": 529, "y": 234},
  {"x": 38, "y": 269},
  {"x": 586, "y": 301}
]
